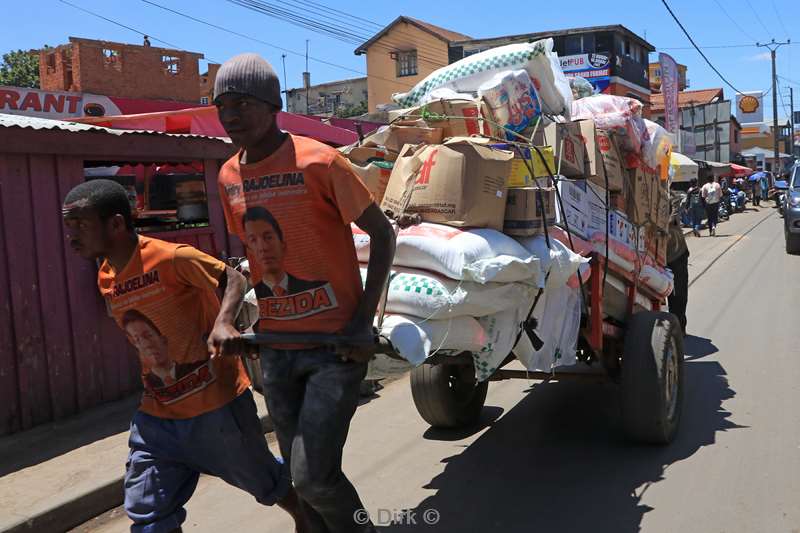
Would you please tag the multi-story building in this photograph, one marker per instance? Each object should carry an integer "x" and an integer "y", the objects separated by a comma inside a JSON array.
[
  {"x": 613, "y": 58},
  {"x": 655, "y": 77},
  {"x": 343, "y": 98},
  {"x": 402, "y": 54},
  {"x": 121, "y": 70}
]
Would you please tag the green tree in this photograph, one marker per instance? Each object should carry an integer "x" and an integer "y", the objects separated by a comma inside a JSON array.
[
  {"x": 352, "y": 110},
  {"x": 20, "y": 69}
]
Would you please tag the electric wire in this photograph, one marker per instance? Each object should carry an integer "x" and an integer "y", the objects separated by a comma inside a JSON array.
[{"x": 699, "y": 51}]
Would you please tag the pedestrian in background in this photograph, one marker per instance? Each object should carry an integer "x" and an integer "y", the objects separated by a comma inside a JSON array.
[
  {"x": 712, "y": 195},
  {"x": 695, "y": 206},
  {"x": 756, "y": 187},
  {"x": 764, "y": 183}
]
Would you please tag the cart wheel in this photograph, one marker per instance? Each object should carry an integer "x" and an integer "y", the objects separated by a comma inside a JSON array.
[
  {"x": 652, "y": 377},
  {"x": 447, "y": 396}
]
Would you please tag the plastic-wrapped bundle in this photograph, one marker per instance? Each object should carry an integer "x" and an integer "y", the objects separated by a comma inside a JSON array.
[
  {"x": 581, "y": 88},
  {"x": 415, "y": 340},
  {"x": 619, "y": 114},
  {"x": 512, "y": 99},
  {"x": 658, "y": 147},
  {"x": 468, "y": 74}
]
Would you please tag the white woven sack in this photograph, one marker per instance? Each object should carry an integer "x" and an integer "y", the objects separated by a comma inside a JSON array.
[
  {"x": 427, "y": 295},
  {"x": 480, "y": 255}
]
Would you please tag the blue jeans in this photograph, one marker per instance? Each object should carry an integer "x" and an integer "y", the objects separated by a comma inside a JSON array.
[
  {"x": 312, "y": 395},
  {"x": 167, "y": 457}
]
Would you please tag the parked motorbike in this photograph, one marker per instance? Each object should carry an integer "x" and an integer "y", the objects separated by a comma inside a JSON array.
[{"x": 724, "y": 211}]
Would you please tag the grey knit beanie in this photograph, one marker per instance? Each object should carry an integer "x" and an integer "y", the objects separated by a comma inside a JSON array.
[{"x": 249, "y": 74}]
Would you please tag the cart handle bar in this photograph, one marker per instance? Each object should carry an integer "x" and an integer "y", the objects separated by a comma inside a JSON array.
[{"x": 379, "y": 344}]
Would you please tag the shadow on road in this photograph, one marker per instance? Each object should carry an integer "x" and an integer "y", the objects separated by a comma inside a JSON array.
[
  {"x": 695, "y": 347},
  {"x": 558, "y": 461}
]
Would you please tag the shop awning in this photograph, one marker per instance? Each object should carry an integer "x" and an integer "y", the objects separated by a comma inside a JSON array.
[
  {"x": 204, "y": 121},
  {"x": 685, "y": 169},
  {"x": 740, "y": 172},
  {"x": 719, "y": 169}
]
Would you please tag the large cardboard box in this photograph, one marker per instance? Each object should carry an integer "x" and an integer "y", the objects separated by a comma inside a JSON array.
[
  {"x": 575, "y": 203},
  {"x": 395, "y": 136},
  {"x": 456, "y": 118},
  {"x": 603, "y": 158},
  {"x": 638, "y": 194},
  {"x": 598, "y": 209},
  {"x": 524, "y": 210},
  {"x": 363, "y": 155},
  {"x": 568, "y": 147},
  {"x": 375, "y": 176},
  {"x": 461, "y": 183},
  {"x": 525, "y": 159},
  {"x": 622, "y": 230},
  {"x": 660, "y": 208}
]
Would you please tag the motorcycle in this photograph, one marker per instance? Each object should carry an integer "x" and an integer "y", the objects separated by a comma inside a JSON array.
[
  {"x": 778, "y": 194},
  {"x": 724, "y": 211},
  {"x": 737, "y": 200}
]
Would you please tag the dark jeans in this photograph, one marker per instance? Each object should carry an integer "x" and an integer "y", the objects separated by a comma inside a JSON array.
[
  {"x": 712, "y": 211},
  {"x": 680, "y": 294},
  {"x": 312, "y": 395}
]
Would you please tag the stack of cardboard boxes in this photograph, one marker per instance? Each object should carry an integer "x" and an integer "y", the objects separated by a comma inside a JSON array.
[{"x": 445, "y": 163}]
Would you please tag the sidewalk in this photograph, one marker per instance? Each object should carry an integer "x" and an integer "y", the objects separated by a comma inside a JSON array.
[{"x": 59, "y": 475}]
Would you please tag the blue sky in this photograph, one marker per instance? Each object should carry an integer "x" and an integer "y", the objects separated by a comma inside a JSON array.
[{"x": 32, "y": 24}]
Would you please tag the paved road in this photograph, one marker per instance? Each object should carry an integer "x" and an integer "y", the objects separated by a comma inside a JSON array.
[{"x": 551, "y": 457}]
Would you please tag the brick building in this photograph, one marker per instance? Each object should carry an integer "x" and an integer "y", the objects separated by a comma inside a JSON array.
[
  {"x": 122, "y": 70},
  {"x": 207, "y": 83}
]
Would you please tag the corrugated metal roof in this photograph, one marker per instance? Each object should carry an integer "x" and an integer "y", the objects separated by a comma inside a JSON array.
[{"x": 36, "y": 123}]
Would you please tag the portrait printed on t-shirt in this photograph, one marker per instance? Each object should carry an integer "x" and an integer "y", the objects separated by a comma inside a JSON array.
[
  {"x": 282, "y": 295},
  {"x": 164, "y": 378}
]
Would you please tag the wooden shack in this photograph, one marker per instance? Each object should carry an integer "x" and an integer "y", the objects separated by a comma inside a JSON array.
[{"x": 60, "y": 353}]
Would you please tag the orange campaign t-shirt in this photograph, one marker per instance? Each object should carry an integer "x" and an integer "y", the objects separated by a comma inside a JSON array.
[
  {"x": 164, "y": 300},
  {"x": 293, "y": 210}
]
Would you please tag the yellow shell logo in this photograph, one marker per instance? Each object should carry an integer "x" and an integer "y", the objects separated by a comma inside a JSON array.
[{"x": 748, "y": 104}]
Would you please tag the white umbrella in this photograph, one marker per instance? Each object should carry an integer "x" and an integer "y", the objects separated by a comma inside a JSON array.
[{"x": 685, "y": 168}]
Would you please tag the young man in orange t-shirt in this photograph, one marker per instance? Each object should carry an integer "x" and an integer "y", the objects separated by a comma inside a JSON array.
[
  {"x": 197, "y": 413},
  {"x": 291, "y": 201}
]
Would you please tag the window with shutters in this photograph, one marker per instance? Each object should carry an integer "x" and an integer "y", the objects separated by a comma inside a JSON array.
[{"x": 406, "y": 63}]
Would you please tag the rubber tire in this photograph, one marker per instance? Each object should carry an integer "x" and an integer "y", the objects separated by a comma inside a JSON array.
[
  {"x": 435, "y": 400},
  {"x": 645, "y": 414},
  {"x": 792, "y": 243}
]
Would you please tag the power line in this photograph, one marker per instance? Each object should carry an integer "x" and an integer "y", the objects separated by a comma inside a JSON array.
[
  {"x": 780, "y": 20},
  {"x": 759, "y": 18},
  {"x": 734, "y": 21},
  {"x": 698, "y": 48},
  {"x": 134, "y": 30},
  {"x": 784, "y": 78},
  {"x": 344, "y": 34},
  {"x": 265, "y": 43}
]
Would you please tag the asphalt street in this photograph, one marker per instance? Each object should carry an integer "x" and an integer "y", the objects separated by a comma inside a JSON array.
[{"x": 552, "y": 457}]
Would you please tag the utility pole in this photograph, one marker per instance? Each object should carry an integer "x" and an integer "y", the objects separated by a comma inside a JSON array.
[
  {"x": 285, "y": 83},
  {"x": 307, "y": 78},
  {"x": 773, "y": 48},
  {"x": 791, "y": 121}
]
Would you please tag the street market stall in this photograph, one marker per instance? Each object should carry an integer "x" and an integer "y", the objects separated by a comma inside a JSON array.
[
  {"x": 60, "y": 353},
  {"x": 685, "y": 169}
]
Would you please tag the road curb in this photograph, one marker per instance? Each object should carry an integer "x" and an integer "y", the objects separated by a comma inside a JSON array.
[{"x": 74, "y": 511}]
